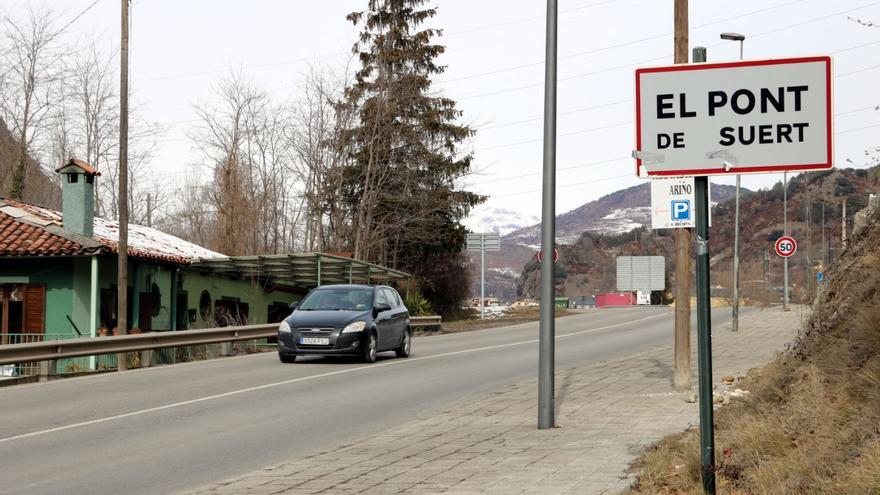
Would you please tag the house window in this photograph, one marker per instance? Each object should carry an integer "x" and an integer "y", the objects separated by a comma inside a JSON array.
[
  {"x": 22, "y": 311},
  {"x": 230, "y": 312},
  {"x": 72, "y": 178}
]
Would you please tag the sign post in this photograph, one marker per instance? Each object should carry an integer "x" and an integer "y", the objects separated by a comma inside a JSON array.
[
  {"x": 547, "y": 325},
  {"x": 721, "y": 119},
  {"x": 483, "y": 243}
]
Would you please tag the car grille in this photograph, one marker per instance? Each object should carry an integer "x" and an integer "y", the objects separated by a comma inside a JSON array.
[{"x": 315, "y": 332}]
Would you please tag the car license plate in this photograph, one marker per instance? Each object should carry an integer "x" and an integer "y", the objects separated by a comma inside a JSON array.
[{"x": 314, "y": 341}]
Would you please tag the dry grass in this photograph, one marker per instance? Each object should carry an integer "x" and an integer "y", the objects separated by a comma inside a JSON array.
[{"x": 812, "y": 422}]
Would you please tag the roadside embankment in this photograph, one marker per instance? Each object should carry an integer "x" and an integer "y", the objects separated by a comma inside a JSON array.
[{"x": 811, "y": 422}]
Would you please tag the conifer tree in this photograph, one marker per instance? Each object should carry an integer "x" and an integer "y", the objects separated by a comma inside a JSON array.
[{"x": 406, "y": 209}]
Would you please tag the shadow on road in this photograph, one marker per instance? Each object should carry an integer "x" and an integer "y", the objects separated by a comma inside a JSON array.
[{"x": 660, "y": 369}]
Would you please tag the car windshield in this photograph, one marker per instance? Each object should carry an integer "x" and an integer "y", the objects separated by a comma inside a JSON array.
[{"x": 338, "y": 300}]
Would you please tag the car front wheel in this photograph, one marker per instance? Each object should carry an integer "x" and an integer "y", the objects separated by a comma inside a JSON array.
[
  {"x": 370, "y": 352},
  {"x": 405, "y": 345}
]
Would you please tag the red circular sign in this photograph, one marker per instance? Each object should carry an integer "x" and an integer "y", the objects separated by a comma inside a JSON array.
[
  {"x": 555, "y": 256},
  {"x": 785, "y": 246}
]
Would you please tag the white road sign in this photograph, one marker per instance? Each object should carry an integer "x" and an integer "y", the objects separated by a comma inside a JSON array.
[
  {"x": 645, "y": 273},
  {"x": 672, "y": 203},
  {"x": 479, "y": 241},
  {"x": 737, "y": 117}
]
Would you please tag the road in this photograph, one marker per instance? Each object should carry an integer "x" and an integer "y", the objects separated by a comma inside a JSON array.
[{"x": 172, "y": 428}]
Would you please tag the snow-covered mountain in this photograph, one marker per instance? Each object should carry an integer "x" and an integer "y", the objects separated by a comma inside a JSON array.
[
  {"x": 498, "y": 220},
  {"x": 612, "y": 214},
  {"x": 615, "y": 213}
]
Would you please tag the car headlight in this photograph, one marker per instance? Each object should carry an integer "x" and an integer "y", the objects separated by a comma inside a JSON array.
[
  {"x": 284, "y": 327},
  {"x": 357, "y": 326}
]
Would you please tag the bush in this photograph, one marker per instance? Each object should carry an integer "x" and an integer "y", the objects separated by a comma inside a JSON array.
[{"x": 418, "y": 305}]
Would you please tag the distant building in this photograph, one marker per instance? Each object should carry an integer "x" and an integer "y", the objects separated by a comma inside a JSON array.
[{"x": 487, "y": 302}]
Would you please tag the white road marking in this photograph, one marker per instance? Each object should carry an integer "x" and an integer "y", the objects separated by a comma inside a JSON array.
[{"x": 306, "y": 378}]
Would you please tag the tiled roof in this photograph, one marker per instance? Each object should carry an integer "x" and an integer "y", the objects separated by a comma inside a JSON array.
[
  {"x": 81, "y": 164},
  {"x": 31, "y": 230},
  {"x": 19, "y": 238}
]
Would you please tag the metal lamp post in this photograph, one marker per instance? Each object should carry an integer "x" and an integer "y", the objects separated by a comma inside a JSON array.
[{"x": 735, "y": 315}]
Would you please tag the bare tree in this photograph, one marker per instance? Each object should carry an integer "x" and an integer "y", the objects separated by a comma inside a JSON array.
[
  {"x": 95, "y": 115},
  {"x": 318, "y": 120},
  {"x": 225, "y": 138},
  {"x": 31, "y": 64}
]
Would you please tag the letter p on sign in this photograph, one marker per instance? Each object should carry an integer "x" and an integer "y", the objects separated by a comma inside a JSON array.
[{"x": 681, "y": 210}]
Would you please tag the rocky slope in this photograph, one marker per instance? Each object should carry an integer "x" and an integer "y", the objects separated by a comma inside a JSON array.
[
  {"x": 588, "y": 265},
  {"x": 615, "y": 213}
]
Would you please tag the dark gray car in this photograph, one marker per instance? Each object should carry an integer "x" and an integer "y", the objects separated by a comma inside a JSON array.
[{"x": 346, "y": 320}]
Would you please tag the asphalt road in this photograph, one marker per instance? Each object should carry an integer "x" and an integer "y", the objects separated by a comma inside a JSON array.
[{"x": 172, "y": 428}]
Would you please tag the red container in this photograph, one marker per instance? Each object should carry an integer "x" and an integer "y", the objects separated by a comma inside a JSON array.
[{"x": 612, "y": 299}]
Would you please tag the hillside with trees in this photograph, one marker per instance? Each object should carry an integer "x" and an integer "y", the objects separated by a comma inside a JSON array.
[{"x": 589, "y": 266}]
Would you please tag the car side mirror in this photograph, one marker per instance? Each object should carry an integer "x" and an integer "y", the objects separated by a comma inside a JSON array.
[
  {"x": 293, "y": 305},
  {"x": 380, "y": 308}
]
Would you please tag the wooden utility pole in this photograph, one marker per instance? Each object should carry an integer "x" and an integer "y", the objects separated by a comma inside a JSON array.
[
  {"x": 122, "y": 250},
  {"x": 682, "y": 351}
]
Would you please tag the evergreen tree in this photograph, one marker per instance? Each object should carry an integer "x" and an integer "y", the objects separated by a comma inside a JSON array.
[{"x": 405, "y": 208}]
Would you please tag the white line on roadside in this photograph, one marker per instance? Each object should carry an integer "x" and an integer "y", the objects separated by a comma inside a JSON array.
[{"x": 306, "y": 378}]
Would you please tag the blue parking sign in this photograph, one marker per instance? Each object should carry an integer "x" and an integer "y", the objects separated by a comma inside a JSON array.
[{"x": 681, "y": 210}]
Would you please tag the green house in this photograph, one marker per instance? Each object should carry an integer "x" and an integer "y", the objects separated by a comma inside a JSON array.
[{"x": 58, "y": 273}]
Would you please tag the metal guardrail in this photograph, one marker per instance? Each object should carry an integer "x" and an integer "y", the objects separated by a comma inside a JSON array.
[
  {"x": 425, "y": 321},
  {"x": 50, "y": 350},
  {"x": 59, "y": 349}
]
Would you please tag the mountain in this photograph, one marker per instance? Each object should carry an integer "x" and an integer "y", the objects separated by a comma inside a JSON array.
[
  {"x": 498, "y": 220},
  {"x": 589, "y": 265},
  {"x": 615, "y": 213}
]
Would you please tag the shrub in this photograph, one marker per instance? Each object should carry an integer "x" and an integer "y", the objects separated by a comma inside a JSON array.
[{"x": 418, "y": 305}]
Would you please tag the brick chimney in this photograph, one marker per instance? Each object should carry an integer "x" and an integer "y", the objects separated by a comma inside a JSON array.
[{"x": 78, "y": 196}]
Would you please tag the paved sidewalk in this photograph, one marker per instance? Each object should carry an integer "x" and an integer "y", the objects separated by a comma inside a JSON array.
[{"x": 607, "y": 413}]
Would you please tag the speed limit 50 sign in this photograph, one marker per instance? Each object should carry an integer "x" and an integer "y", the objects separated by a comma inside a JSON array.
[{"x": 786, "y": 246}]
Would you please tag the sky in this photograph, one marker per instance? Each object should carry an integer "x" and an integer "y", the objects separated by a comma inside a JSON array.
[{"x": 495, "y": 71}]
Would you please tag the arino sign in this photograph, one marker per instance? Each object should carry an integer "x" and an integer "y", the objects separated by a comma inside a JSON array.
[{"x": 739, "y": 117}]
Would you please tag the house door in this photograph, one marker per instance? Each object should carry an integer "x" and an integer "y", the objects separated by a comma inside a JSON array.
[{"x": 145, "y": 312}]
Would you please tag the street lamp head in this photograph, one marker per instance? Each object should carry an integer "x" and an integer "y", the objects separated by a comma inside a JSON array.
[{"x": 733, "y": 36}]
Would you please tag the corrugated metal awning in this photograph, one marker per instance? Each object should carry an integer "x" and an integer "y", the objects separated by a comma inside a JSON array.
[{"x": 305, "y": 270}]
